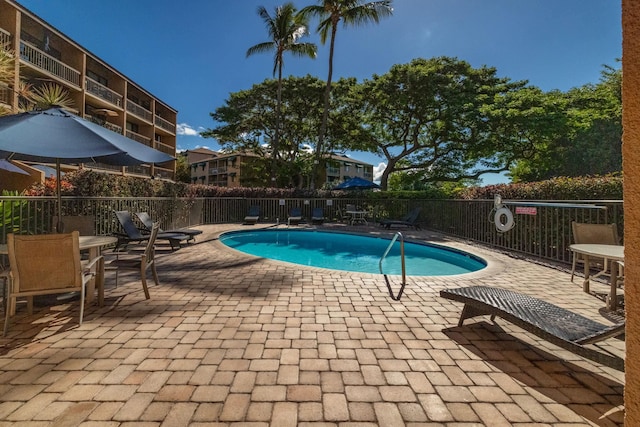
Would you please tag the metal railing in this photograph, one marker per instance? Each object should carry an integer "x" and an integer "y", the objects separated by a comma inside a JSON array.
[
  {"x": 102, "y": 122},
  {"x": 402, "y": 264},
  {"x": 165, "y": 148},
  {"x": 102, "y": 92},
  {"x": 5, "y": 94},
  {"x": 139, "y": 111},
  {"x": 140, "y": 138},
  {"x": 165, "y": 124},
  {"x": 545, "y": 234},
  {"x": 48, "y": 63}
]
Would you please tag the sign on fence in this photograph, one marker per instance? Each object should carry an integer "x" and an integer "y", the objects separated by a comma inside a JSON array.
[{"x": 526, "y": 210}]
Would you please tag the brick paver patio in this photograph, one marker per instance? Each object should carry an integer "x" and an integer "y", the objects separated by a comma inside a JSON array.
[{"x": 232, "y": 340}]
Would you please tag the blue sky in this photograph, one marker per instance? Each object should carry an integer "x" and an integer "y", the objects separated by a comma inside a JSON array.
[{"x": 191, "y": 53}]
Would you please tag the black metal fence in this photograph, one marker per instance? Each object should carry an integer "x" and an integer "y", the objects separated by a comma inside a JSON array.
[{"x": 541, "y": 229}]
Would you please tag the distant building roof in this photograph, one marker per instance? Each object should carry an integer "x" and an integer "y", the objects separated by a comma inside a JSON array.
[
  {"x": 201, "y": 150},
  {"x": 349, "y": 159}
]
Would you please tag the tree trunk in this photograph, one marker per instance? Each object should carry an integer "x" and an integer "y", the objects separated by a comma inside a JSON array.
[{"x": 325, "y": 111}]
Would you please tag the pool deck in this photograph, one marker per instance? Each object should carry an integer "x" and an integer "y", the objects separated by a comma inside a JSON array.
[{"x": 228, "y": 339}]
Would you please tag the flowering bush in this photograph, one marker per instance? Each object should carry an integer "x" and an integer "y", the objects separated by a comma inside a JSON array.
[{"x": 88, "y": 183}]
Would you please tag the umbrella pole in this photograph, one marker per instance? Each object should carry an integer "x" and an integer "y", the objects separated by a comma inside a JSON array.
[{"x": 59, "y": 225}]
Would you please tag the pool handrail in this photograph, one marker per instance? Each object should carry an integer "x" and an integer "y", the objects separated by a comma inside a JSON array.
[{"x": 404, "y": 275}]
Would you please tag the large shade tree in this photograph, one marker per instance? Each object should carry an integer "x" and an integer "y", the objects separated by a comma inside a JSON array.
[
  {"x": 247, "y": 121},
  {"x": 285, "y": 28},
  {"x": 330, "y": 14},
  {"x": 592, "y": 141},
  {"x": 441, "y": 120}
]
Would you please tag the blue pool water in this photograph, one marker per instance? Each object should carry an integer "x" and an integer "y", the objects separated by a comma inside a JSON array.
[{"x": 351, "y": 252}]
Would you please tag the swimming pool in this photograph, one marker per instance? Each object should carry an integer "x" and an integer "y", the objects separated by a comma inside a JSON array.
[{"x": 351, "y": 252}]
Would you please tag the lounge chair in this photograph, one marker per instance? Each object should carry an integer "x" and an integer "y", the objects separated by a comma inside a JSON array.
[
  {"x": 317, "y": 216},
  {"x": 132, "y": 234},
  {"x": 295, "y": 216},
  {"x": 564, "y": 328},
  {"x": 409, "y": 220},
  {"x": 147, "y": 222},
  {"x": 253, "y": 216},
  {"x": 605, "y": 234}
]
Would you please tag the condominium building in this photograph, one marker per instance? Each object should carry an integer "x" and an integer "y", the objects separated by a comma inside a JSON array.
[
  {"x": 100, "y": 93},
  {"x": 237, "y": 169}
]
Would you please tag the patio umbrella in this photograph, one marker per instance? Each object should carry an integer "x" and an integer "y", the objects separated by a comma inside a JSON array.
[
  {"x": 6, "y": 165},
  {"x": 53, "y": 135},
  {"x": 356, "y": 183}
]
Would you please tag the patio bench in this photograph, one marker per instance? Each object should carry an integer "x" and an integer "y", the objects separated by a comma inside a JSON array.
[{"x": 564, "y": 328}]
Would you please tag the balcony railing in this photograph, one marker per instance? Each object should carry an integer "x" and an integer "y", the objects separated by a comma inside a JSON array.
[
  {"x": 165, "y": 148},
  {"x": 104, "y": 123},
  {"x": 164, "y": 173},
  {"x": 5, "y": 94},
  {"x": 165, "y": 124},
  {"x": 48, "y": 63},
  {"x": 102, "y": 92},
  {"x": 139, "y": 169},
  {"x": 216, "y": 171},
  {"x": 140, "y": 138},
  {"x": 5, "y": 38},
  {"x": 139, "y": 111}
]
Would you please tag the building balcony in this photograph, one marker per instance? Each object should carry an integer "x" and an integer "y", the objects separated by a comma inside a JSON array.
[
  {"x": 139, "y": 138},
  {"x": 165, "y": 124},
  {"x": 163, "y": 173},
  {"x": 47, "y": 63},
  {"x": 102, "y": 92},
  {"x": 168, "y": 149},
  {"x": 139, "y": 170},
  {"x": 5, "y": 38},
  {"x": 139, "y": 111},
  {"x": 5, "y": 94},
  {"x": 216, "y": 171},
  {"x": 102, "y": 122}
]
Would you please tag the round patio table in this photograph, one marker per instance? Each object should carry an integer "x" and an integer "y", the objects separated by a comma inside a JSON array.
[
  {"x": 94, "y": 245},
  {"x": 612, "y": 253}
]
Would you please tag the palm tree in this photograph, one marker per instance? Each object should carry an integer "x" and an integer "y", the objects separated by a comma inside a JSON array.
[
  {"x": 285, "y": 28},
  {"x": 330, "y": 13}
]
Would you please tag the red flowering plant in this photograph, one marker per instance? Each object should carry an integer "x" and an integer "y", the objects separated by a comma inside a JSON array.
[{"x": 48, "y": 188}]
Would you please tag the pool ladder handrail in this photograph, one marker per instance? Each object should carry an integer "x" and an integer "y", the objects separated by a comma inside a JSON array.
[{"x": 404, "y": 276}]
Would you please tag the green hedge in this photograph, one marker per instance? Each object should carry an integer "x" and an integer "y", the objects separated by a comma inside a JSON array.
[{"x": 84, "y": 183}]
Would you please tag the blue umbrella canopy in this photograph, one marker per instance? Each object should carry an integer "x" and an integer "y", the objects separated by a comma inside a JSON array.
[
  {"x": 356, "y": 183},
  {"x": 54, "y": 134}
]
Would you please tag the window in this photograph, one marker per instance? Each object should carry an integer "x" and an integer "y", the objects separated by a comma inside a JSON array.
[{"x": 133, "y": 127}]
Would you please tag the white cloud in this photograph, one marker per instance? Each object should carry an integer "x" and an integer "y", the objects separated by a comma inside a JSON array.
[
  {"x": 377, "y": 171},
  {"x": 187, "y": 130}
]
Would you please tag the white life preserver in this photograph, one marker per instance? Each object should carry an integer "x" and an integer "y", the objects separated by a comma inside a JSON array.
[{"x": 497, "y": 219}]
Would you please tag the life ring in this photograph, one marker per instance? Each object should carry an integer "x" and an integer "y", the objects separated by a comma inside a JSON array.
[{"x": 497, "y": 219}]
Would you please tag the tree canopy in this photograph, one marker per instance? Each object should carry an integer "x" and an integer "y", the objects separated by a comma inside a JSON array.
[
  {"x": 246, "y": 123},
  {"x": 591, "y": 143},
  {"x": 441, "y": 120},
  {"x": 435, "y": 121}
]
